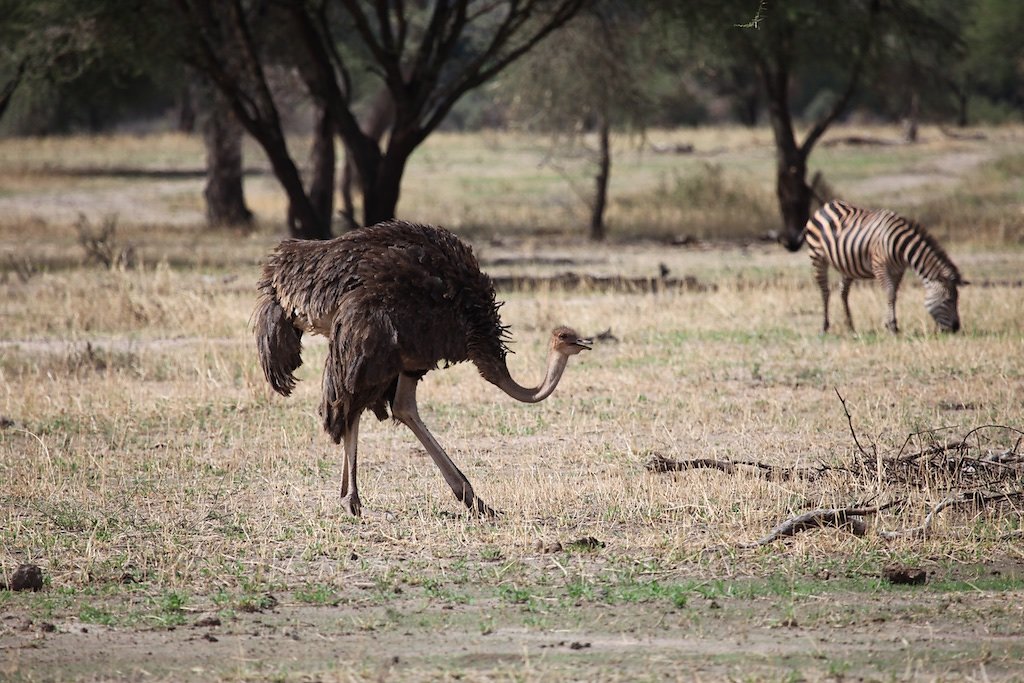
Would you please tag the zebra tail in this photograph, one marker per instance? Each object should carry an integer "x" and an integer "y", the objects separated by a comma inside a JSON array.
[{"x": 278, "y": 342}]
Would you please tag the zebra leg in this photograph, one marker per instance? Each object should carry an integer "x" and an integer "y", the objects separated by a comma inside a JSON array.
[
  {"x": 844, "y": 292},
  {"x": 894, "y": 285},
  {"x": 821, "y": 277},
  {"x": 890, "y": 278}
]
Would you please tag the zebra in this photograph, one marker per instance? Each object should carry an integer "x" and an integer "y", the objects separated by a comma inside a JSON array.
[{"x": 863, "y": 244}]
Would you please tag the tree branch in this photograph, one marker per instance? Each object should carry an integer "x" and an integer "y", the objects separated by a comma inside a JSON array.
[
  {"x": 849, "y": 421},
  {"x": 819, "y": 128}
]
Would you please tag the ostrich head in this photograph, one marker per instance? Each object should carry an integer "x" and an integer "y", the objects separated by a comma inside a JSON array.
[{"x": 566, "y": 341}]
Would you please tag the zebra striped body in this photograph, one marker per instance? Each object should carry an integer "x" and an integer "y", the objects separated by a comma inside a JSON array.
[{"x": 864, "y": 244}]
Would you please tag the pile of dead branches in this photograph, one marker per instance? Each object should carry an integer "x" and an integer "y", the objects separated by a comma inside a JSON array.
[{"x": 976, "y": 472}]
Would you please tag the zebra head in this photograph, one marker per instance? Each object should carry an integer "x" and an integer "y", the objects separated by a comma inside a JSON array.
[{"x": 940, "y": 298}]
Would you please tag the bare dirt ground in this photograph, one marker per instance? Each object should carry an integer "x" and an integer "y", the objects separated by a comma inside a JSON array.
[
  {"x": 937, "y": 175},
  {"x": 831, "y": 636}
]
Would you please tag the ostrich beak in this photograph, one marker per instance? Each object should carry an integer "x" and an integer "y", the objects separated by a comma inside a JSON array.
[{"x": 585, "y": 344}]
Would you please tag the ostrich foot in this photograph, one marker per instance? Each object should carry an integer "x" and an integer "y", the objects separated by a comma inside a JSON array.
[
  {"x": 352, "y": 504},
  {"x": 481, "y": 509}
]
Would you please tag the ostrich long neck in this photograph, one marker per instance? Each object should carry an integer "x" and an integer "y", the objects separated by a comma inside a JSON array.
[{"x": 556, "y": 365}]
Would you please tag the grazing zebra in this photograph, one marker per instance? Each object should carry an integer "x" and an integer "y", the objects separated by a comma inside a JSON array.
[{"x": 864, "y": 244}]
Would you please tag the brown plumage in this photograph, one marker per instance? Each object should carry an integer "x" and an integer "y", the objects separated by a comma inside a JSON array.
[{"x": 395, "y": 300}]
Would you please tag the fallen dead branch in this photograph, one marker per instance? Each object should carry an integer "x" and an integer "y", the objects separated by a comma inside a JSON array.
[
  {"x": 849, "y": 518},
  {"x": 969, "y": 470},
  {"x": 599, "y": 283},
  {"x": 952, "y": 464},
  {"x": 660, "y": 463},
  {"x": 970, "y": 135}
]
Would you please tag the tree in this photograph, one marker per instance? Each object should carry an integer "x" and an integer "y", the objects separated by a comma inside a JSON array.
[
  {"x": 43, "y": 42},
  {"x": 84, "y": 63},
  {"x": 222, "y": 137},
  {"x": 802, "y": 44},
  {"x": 427, "y": 56},
  {"x": 786, "y": 37},
  {"x": 995, "y": 52},
  {"x": 919, "y": 70},
  {"x": 587, "y": 81}
]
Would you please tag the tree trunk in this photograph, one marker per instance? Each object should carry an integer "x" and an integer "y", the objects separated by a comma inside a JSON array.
[
  {"x": 791, "y": 159},
  {"x": 911, "y": 120},
  {"x": 597, "y": 227},
  {"x": 349, "y": 174},
  {"x": 794, "y": 197},
  {"x": 303, "y": 221},
  {"x": 187, "y": 107},
  {"x": 8, "y": 89},
  {"x": 380, "y": 198},
  {"x": 322, "y": 160},
  {"x": 962, "y": 100},
  {"x": 225, "y": 198},
  {"x": 379, "y": 118}
]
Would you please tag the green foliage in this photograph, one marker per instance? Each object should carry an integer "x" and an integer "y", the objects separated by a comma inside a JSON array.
[
  {"x": 995, "y": 57},
  {"x": 86, "y": 65}
]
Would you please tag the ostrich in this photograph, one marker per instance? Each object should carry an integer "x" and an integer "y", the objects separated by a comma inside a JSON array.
[{"x": 394, "y": 300}]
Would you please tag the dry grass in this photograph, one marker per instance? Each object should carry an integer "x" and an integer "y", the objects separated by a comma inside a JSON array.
[
  {"x": 145, "y": 443},
  {"x": 162, "y": 429}
]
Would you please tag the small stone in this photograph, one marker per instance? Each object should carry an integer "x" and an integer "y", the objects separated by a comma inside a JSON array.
[
  {"x": 27, "y": 577},
  {"x": 903, "y": 575}
]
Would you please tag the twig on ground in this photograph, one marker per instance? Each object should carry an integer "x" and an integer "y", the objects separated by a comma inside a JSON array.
[{"x": 849, "y": 421}]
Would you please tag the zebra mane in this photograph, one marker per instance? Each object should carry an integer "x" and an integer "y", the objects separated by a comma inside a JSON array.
[{"x": 950, "y": 271}]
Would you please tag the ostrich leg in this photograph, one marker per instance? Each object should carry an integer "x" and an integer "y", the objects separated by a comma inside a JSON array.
[
  {"x": 404, "y": 409},
  {"x": 349, "y": 490}
]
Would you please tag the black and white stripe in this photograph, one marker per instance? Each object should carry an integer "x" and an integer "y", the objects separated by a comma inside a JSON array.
[{"x": 864, "y": 244}]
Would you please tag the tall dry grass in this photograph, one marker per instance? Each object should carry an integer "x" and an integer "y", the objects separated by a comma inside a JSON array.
[{"x": 145, "y": 441}]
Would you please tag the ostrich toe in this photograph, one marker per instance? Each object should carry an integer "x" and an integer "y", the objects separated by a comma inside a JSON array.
[{"x": 352, "y": 504}]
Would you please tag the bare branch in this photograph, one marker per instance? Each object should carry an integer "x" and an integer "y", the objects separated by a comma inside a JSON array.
[{"x": 849, "y": 421}]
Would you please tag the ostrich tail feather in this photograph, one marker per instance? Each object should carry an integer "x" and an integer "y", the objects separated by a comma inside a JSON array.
[{"x": 278, "y": 342}]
